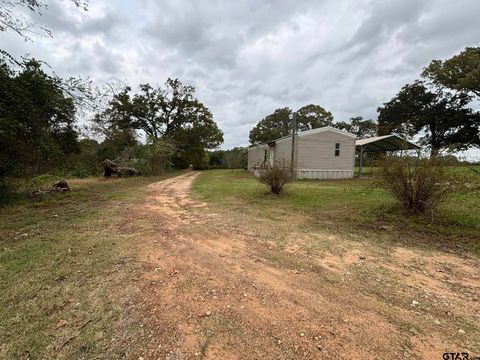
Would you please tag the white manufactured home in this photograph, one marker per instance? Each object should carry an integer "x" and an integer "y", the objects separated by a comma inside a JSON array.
[{"x": 323, "y": 153}]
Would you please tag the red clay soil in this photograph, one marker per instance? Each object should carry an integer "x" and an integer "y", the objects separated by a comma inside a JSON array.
[{"x": 217, "y": 291}]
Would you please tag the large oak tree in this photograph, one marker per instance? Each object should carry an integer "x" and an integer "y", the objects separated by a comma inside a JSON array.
[
  {"x": 170, "y": 113},
  {"x": 441, "y": 118},
  {"x": 278, "y": 124},
  {"x": 460, "y": 73}
]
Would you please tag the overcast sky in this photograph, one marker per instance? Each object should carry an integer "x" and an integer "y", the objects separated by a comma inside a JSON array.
[{"x": 247, "y": 58}]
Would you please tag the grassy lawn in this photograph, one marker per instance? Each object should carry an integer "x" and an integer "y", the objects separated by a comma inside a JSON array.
[
  {"x": 350, "y": 207},
  {"x": 65, "y": 277},
  {"x": 355, "y": 238},
  {"x": 70, "y": 278}
]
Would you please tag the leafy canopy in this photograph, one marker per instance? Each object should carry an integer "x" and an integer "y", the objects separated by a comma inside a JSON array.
[
  {"x": 170, "y": 112},
  {"x": 459, "y": 73},
  {"x": 358, "y": 126},
  {"x": 442, "y": 118},
  {"x": 36, "y": 121},
  {"x": 278, "y": 124}
]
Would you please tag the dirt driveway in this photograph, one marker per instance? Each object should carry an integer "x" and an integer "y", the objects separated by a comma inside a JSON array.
[{"x": 215, "y": 289}]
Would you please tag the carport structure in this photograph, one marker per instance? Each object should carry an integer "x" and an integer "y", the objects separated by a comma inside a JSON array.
[{"x": 384, "y": 143}]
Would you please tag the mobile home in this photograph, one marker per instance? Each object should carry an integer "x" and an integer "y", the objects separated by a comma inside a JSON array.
[{"x": 323, "y": 153}]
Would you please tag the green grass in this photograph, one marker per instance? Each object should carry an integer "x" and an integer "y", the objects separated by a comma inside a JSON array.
[
  {"x": 67, "y": 274},
  {"x": 470, "y": 171},
  {"x": 64, "y": 272},
  {"x": 353, "y": 207},
  {"x": 303, "y": 195}
]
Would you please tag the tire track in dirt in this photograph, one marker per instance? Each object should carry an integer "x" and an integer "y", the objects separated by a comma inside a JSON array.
[{"x": 213, "y": 293}]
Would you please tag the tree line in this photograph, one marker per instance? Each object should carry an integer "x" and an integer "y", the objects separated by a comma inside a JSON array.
[
  {"x": 171, "y": 118},
  {"x": 308, "y": 117},
  {"x": 437, "y": 108},
  {"x": 153, "y": 129},
  {"x": 160, "y": 127}
]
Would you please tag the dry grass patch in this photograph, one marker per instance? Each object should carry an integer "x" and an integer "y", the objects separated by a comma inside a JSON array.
[{"x": 67, "y": 276}]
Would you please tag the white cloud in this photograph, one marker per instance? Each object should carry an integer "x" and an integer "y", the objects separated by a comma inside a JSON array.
[{"x": 247, "y": 58}]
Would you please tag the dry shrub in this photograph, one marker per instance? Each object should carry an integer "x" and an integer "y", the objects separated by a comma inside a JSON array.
[
  {"x": 418, "y": 184},
  {"x": 274, "y": 176}
]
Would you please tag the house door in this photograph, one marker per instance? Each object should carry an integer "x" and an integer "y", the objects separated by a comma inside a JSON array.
[{"x": 271, "y": 159}]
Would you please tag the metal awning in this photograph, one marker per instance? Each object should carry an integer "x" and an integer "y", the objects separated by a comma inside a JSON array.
[{"x": 382, "y": 144}]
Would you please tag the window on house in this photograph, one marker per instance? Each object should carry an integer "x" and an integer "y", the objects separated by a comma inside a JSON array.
[
  {"x": 337, "y": 149},
  {"x": 265, "y": 156}
]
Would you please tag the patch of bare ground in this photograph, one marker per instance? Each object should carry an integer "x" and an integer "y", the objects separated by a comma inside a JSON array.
[{"x": 216, "y": 288}]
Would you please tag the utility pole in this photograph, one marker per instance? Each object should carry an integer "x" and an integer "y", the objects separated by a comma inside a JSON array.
[{"x": 294, "y": 130}]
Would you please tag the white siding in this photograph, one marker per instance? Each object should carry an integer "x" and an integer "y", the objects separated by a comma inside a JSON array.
[
  {"x": 314, "y": 154},
  {"x": 283, "y": 150},
  {"x": 256, "y": 155}
]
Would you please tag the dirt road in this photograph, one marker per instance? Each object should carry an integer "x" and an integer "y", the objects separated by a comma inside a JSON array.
[{"x": 216, "y": 289}]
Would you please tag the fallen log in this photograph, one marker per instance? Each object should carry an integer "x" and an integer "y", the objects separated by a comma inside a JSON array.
[
  {"x": 112, "y": 168},
  {"x": 58, "y": 186}
]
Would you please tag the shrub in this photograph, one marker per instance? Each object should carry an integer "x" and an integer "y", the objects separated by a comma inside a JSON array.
[
  {"x": 418, "y": 184},
  {"x": 274, "y": 176},
  {"x": 6, "y": 192}
]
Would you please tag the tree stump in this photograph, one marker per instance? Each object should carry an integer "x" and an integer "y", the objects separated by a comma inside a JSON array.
[
  {"x": 61, "y": 186},
  {"x": 112, "y": 168}
]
